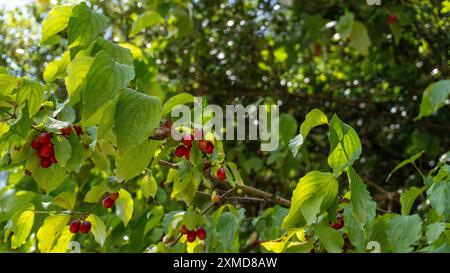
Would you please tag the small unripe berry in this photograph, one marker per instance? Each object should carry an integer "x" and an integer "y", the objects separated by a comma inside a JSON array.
[
  {"x": 75, "y": 226},
  {"x": 183, "y": 229},
  {"x": 44, "y": 138},
  {"x": 180, "y": 150},
  {"x": 108, "y": 202},
  {"x": 114, "y": 195},
  {"x": 66, "y": 131},
  {"x": 36, "y": 145},
  {"x": 191, "y": 235},
  {"x": 201, "y": 233},
  {"x": 85, "y": 227},
  {"x": 339, "y": 224},
  {"x": 45, "y": 163},
  {"x": 187, "y": 140},
  {"x": 221, "y": 174}
]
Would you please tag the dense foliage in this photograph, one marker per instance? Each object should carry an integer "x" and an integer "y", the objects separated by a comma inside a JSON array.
[{"x": 86, "y": 90}]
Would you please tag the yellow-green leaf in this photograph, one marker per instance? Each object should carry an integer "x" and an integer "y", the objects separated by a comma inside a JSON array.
[
  {"x": 50, "y": 231},
  {"x": 124, "y": 206}
]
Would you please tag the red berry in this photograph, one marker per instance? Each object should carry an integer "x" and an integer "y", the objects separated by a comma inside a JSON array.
[
  {"x": 187, "y": 140},
  {"x": 78, "y": 129},
  {"x": 191, "y": 235},
  {"x": 221, "y": 174},
  {"x": 45, "y": 163},
  {"x": 36, "y": 145},
  {"x": 44, "y": 138},
  {"x": 46, "y": 151},
  {"x": 392, "y": 18},
  {"x": 85, "y": 227},
  {"x": 183, "y": 229},
  {"x": 108, "y": 202},
  {"x": 339, "y": 224},
  {"x": 180, "y": 151},
  {"x": 202, "y": 144},
  {"x": 53, "y": 159},
  {"x": 209, "y": 147},
  {"x": 114, "y": 195},
  {"x": 201, "y": 233},
  {"x": 75, "y": 226},
  {"x": 187, "y": 153},
  {"x": 66, "y": 131}
]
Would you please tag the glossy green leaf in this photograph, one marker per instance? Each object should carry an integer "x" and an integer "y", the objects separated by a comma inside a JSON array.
[
  {"x": 32, "y": 92},
  {"x": 408, "y": 198},
  {"x": 434, "y": 98},
  {"x": 57, "y": 69},
  {"x": 48, "y": 179},
  {"x": 124, "y": 206},
  {"x": 76, "y": 73},
  {"x": 405, "y": 162},
  {"x": 363, "y": 207},
  {"x": 65, "y": 200},
  {"x": 96, "y": 193},
  {"x": 22, "y": 222},
  {"x": 98, "y": 228},
  {"x": 50, "y": 231},
  {"x": 330, "y": 238},
  {"x": 180, "y": 99},
  {"x": 8, "y": 83},
  {"x": 360, "y": 39},
  {"x": 312, "y": 119},
  {"x": 85, "y": 25},
  {"x": 149, "y": 186},
  {"x": 145, "y": 20},
  {"x": 439, "y": 196},
  {"x": 403, "y": 231},
  {"x": 345, "y": 146},
  {"x": 434, "y": 230},
  {"x": 314, "y": 184},
  {"x": 63, "y": 150},
  {"x": 55, "y": 21},
  {"x": 133, "y": 161}
]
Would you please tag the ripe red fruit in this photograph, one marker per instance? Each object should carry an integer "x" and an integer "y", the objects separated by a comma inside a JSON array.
[
  {"x": 44, "y": 138},
  {"x": 209, "y": 147},
  {"x": 45, "y": 163},
  {"x": 202, "y": 144},
  {"x": 85, "y": 227},
  {"x": 187, "y": 140},
  {"x": 183, "y": 229},
  {"x": 392, "y": 18},
  {"x": 108, "y": 202},
  {"x": 187, "y": 153},
  {"x": 201, "y": 233},
  {"x": 191, "y": 235},
  {"x": 53, "y": 159},
  {"x": 36, "y": 145},
  {"x": 221, "y": 174},
  {"x": 180, "y": 151},
  {"x": 75, "y": 226},
  {"x": 66, "y": 131},
  {"x": 339, "y": 224},
  {"x": 46, "y": 151},
  {"x": 114, "y": 195},
  {"x": 78, "y": 129}
]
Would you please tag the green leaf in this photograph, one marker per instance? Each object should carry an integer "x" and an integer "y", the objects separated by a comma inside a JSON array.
[
  {"x": 77, "y": 155},
  {"x": 363, "y": 207},
  {"x": 403, "y": 231},
  {"x": 32, "y": 92},
  {"x": 104, "y": 80},
  {"x": 408, "y": 198},
  {"x": 133, "y": 161},
  {"x": 233, "y": 175},
  {"x": 96, "y": 192},
  {"x": 22, "y": 222},
  {"x": 145, "y": 20},
  {"x": 314, "y": 184},
  {"x": 345, "y": 145},
  {"x": 176, "y": 100},
  {"x": 98, "y": 229},
  {"x": 77, "y": 71},
  {"x": 85, "y": 25},
  {"x": 149, "y": 186},
  {"x": 288, "y": 128},
  {"x": 63, "y": 241},
  {"x": 356, "y": 230},
  {"x": 65, "y": 200},
  {"x": 124, "y": 206},
  {"x": 57, "y": 69},
  {"x": 360, "y": 39},
  {"x": 439, "y": 196},
  {"x": 405, "y": 162},
  {"x": 55, "y": 21},
  {"x": 434, "y": 230},
  {"x": 48, "y": 179},
  {"x": 330, "y": 238},
  {"x": 119, "y": 53},
  {"x": 63, "y": 150},
  {"x": 434, "y": 98},
  {"x": 137, "y": 116},
  {"x": 312, "y": 119},
  {"x": 50, "y": 231},
  {"x": 8, "y": 83},
  {"x": 345, "y": 24}
]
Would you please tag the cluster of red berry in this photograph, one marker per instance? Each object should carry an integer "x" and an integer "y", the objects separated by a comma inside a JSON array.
[
  {"x": 68, "y": 130},
  {"x": 206, "y": 146},
  {"x": 339, "y": 224},
  {"x": 44, "y": 147},
  {"x": 191, "y": 235},
  {"x": 82, "y": 226},
  {"x": 110, "y": 200}
]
